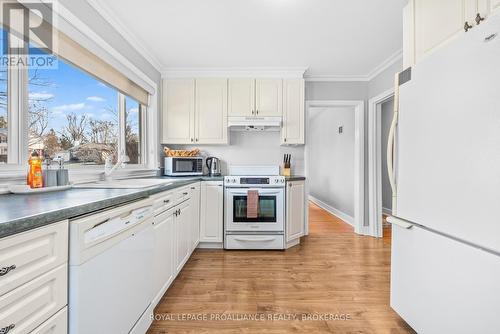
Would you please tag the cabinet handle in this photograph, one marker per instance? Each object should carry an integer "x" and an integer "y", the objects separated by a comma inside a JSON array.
[
  {"x": 257, "y": 112},
  {"x": 479, "y": 19},
  {"x": 166, "y": 201},
  {"x": 185, "y": 193},
  {"x": 253, "y": 112},
  {"x": 179, "y": 212},
  {"x": 467, "y": 26},
  {"x": 7, "y": 329},
  {"x": 285, "y": 140},
  {"x": 192, "y": 140},
  {"x": 193, "y": 188},
  {"x": 4, "y": 271},
  {"x": 196, "y": 139}
]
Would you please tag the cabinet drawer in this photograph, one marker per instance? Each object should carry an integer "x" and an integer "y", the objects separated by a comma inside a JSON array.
[
  {"x": 254, "y": 241},
  {"x": 31, "y": 304},
  {"x": 27, "y": 255},
  {"x": 182, "y": 194},
  {"x": 57, "y": 324},
  {"x": 163, "y": 201}
]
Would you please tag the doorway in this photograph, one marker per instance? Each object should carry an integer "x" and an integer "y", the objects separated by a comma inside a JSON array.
[
  {"x": 380, "y": 115},
  {"x": 334, "y": 155}
]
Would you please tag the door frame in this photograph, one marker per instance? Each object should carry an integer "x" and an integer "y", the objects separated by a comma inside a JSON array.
[
  {"x": 375, "y": 162},
  {"x": 359, "y": 156}
]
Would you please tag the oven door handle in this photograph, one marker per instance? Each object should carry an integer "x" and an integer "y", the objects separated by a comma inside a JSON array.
[
  {"x": 255, "y": 239},
  {"x": 261, "y": 191}
]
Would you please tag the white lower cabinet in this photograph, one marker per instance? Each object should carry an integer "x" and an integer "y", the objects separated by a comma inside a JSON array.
[
  {"x": 163, "y": 269},
  {"x": 295, "y": 210},
  {"x": 57, "y": 324},
  {"x": 195, "y": 215},
  {"x": 212, "y": 212},
  {"x": 182, "y": 234},
  {"x": 28, "y": 306},
  {"x": 27, "y": 255}
]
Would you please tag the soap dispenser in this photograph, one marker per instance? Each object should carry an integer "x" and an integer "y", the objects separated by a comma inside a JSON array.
[{"x": 35, "y": 176}]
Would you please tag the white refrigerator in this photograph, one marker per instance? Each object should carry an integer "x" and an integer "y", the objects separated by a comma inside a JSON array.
[{"x": 445, "y": 168}]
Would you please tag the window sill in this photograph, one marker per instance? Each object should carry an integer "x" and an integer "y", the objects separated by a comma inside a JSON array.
[{"x": 78, "y": 175}]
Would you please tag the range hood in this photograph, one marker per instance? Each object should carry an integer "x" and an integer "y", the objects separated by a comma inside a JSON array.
[{"x": 254, "y": 123}]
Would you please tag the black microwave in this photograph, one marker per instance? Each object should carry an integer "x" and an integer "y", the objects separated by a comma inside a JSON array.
[{"x": 183, "y": 166}]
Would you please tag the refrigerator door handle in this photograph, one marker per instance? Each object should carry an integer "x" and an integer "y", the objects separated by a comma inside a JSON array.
[
  {"x": 399, "y": 222},
  {"x": 391, "y": 150}
]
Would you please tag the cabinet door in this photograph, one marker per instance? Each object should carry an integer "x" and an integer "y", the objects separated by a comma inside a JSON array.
[
  {"x": 292, "y": 131},
  {"x": 241, "y": 97},
  {"x": 27, "y": 255},
  {"x": 212, "y": 211},
  {"x": 25, "y": 308},
  {"x": 195, "y": 216},
  {"x": 211, "y": 111},
  {"x": 163, "y": 268},
  {"x": 178, "y": 111},
  {"x": 269, "y": 97},
  {"x": 181, "y": 222},
  {"x": 436, "y": 22},
  {"x": 295, "y": 207},
  {"x": 57, "y": 324}
]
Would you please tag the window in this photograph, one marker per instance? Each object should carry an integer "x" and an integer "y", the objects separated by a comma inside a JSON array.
[
  {"x": 66, "y": 110},
  {"x": 3, "y": 107},
  {"x": 77, "y": 117},
  {"x": 133, "y": 130}
]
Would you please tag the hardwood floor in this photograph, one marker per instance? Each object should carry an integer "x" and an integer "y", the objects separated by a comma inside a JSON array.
[{"x": 333, "y": 272}]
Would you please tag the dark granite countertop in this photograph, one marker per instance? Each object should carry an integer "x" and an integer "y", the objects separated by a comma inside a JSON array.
[
  {"x": 19, "y": 213},
  {"x": 294, "y": 178}
]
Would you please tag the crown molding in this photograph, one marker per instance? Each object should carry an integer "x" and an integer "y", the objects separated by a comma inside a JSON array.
[
  {"x": 394, "y": 58},
  {"x": 234, "y": 72},
  {"x": 336, "y": 78},
  {"x": 104, "y": 10},
  {"x": 391, "y": 60}
]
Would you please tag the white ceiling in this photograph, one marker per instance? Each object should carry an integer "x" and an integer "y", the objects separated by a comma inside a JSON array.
[{"x": 330, "y": 37}]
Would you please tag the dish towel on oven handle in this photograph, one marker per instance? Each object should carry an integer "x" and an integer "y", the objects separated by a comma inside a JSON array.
[{"x": 252, "y": 203}]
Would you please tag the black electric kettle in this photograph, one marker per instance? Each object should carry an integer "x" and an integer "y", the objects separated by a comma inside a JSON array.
[{"x": 213, "y": 165}]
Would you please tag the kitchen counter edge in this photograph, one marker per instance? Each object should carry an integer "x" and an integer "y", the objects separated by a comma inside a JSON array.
[{"x": 39, "y": 218}]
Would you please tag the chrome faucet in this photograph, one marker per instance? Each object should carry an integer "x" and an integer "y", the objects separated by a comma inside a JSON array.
[{"x": 109, "y": 168}]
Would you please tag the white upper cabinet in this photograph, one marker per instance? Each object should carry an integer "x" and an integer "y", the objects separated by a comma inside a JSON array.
[
  {"x": 178, "y": 111},
  {"x": 241, "y": 97},
  {"x": 293, "y": 112},
  {"x": 269, "y": 97},
  {"x": 211, "y": 111},
  {"x": 429, "y": 24}
]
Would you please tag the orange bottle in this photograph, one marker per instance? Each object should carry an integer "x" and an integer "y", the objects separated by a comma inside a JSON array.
[{"x": 35, "y": 178}]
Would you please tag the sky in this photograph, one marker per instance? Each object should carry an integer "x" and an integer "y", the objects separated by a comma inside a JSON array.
[
  {"x": 71, "y": 90},
  {"x": 68, "y": 89}
]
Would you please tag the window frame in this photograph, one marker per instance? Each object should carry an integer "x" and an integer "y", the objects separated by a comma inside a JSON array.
[{"x": 18, "y": 132}]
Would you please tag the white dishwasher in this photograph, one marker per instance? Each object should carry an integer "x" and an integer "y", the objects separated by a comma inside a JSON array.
[{"x": 110, "y": 265}]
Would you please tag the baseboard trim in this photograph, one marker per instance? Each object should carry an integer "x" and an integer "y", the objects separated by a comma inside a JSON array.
[
  {"x": 211, "y": 245},
  {"x": 337, "y": 213}
]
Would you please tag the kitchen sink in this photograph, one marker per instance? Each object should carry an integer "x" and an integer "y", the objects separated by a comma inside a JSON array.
[{"x": 124, "y": 184}]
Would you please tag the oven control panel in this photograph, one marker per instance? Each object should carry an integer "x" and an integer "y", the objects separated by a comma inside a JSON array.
[{"x": 254, "y": 181}]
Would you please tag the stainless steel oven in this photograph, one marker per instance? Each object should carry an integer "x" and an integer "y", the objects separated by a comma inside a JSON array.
[
  {"x": 270, "y": 210},
  {"x": 183, "y": 166},
  {"x": 264, "y": 228}
]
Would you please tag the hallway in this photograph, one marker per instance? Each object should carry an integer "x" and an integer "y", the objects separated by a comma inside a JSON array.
[{"x": 333, "y": 272}]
